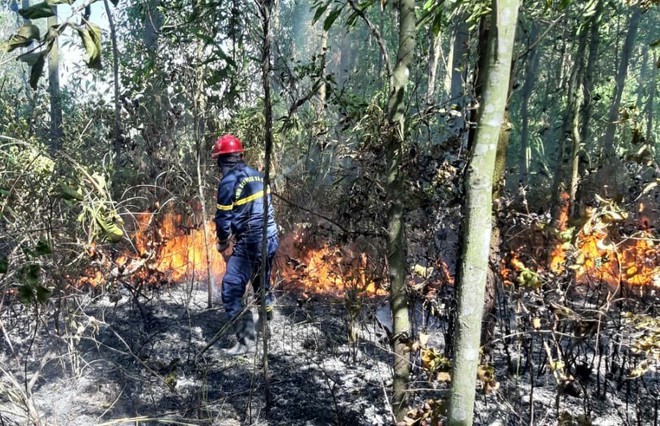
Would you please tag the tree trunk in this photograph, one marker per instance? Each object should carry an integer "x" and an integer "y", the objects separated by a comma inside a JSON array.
[
  {"x": 266, "y": 9},
  {"x": 476, "y": 242},
  {"x": 588, "y": 80},
  {"x": 650, "y": 99},
  {"x": 530, "y": 78},
  {"x": 56, "y": 130},
  {"x": 434, "y": 57},
  {"x": 456, "y": 72},
  {"x": 642, "y": 77},
  {"x": 569, "y": 146},
  {"x": 153, "y": 21},
  {"x": 115, "y": 73},
  {"x": 609, "y": 172},
  {"x": 345, "y": 60},
  {"x": 396, "y": 251}
]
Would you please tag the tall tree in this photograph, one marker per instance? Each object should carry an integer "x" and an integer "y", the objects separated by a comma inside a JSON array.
[
  {"x": 266, "y": 11},
  {"x": 570, "y": 137},
  {"x": 56, "y": 130},
  {"x": 434, "y": 57},
  {"x": 476, "y": 240},
  {"x": 531, "y": 69},
  {"x": 650, "y": 98},
  {"x": 117, "y": 140},
  {"x": 609, "y": 172},
  {"x": 395, "y": 132},
  {"x": 588, "y": 82},
  {"x": 457, "y": 67}
]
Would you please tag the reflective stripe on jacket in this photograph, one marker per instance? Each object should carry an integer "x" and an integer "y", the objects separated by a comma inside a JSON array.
[{"x": 240, "y": 206}]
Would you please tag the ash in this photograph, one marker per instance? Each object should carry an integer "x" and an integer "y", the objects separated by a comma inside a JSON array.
[{"x": 140, "y": 358}]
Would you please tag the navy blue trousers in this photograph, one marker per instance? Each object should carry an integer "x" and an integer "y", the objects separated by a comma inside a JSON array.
[{"x": 243, "y": 266}]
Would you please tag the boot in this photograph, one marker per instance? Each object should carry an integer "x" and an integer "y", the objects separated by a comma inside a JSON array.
[{"x": 246, "y": 341}]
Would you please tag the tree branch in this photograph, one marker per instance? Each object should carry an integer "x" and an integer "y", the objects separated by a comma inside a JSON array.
[{"x": 377, "y": 36}]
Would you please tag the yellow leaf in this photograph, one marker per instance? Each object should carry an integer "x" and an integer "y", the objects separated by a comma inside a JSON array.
[
  {"x": 423, "y": 271},
  {"x": 443, "y": 376}
]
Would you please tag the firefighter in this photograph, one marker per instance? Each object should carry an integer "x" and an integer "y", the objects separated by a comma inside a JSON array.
[{"x": 239, "y": 228}]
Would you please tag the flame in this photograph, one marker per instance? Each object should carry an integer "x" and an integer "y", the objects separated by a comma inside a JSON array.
[
  {"x": 323, "y": 268},
  {"x": 558, "y": 259},
  {"x": 599, "y": 254},
  {"x": 170, "y": 250},
  {"x": 633, "y": 262}
]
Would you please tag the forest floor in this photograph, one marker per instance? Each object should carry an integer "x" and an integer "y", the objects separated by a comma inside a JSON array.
[{"x": 128, "y": 362}]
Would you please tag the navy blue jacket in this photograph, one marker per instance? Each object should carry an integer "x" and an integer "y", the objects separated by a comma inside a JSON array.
[{"x": 240, "y": 206}]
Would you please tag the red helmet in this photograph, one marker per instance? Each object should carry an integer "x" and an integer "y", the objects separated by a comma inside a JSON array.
[{"x": 227, "y": 144}]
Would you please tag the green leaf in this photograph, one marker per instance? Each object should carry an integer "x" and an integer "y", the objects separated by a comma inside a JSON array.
[
  {"x": 655, "y": 43},
  {"x": 40, "y": 10},
  {"x": 110, "y": 229},
  {"x": 23, "y": 37},
  {"x": 330, "y": 19},
  {"x": 55, "y": 2},
  {"x": 29, "y": 31},
  {"x": 30, "y": 58},
  {"x": 91, "y": 38},
  {"x": 68, "y": 192},
  {"x": 4, "y": 265},
  {"x": 114, "y": 2},
  {"x": 43, "y": 294},
  {"x": 319, "y": 12},
  {"x": 25, "y": 294},
  {"x": 437, "y": 24},
  {"x": 31, "y": 274},
  {"x": 37, "y": 70},
  {"x": 42, "y": 248}
]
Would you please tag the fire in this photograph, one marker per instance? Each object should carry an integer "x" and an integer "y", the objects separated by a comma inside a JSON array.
[
  {"x": 595, "y": 253},
  {"x": 165, "y": 252},
  {"x": 181, "y": 254},
  {"x": 324, "y": 269},
  {"x": 170, "y": 250},
  {"x": 633, "y": 262}
]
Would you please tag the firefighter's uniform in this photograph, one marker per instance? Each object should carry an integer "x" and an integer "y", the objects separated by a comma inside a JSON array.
[{"x": 239, "y": 215}]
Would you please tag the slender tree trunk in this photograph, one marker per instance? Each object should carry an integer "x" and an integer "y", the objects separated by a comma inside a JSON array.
[
  {"x": 609, "y": 172},
  {"x": 199, "y": 129},
  {"x": 434, "y": 57},
  {"x": 345, "y": 60},
  {"x": 266, "y": 9},
  {"x": 589, "y": 73},
  {"x": 456, "y": 72},
  {"x": 395, "y": 132},
  {"x": 531, "y": 75},
  {"x": 479, "y": 183},
  {"x": 56, "y": 130},
  {"x": 650, "y": 100},
  {"x": 153, "y": 21},
  {"x": 642, "y": 77},
  {"x": 570, "y": 135},
  {"x": 115, "y": 73}
]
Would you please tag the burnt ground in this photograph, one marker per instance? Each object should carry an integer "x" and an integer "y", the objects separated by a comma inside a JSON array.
[{"x": 128, "y": 362}]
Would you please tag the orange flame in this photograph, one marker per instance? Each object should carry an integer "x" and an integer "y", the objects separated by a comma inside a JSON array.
[
  {"x": 166, "y": 253},
  {"x": 326, "y": 269},
  {"x": 170, "y": 251},
  {"x": 599, "y": 254},
  {"x": 633, "y": 262}
]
